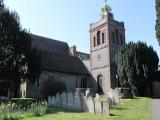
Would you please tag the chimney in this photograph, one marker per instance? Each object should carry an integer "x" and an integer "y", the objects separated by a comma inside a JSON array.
[{"x": 73, "y": 50}]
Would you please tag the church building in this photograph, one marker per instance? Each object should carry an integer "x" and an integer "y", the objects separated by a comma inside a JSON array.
[{"x": 76, "y": 70}]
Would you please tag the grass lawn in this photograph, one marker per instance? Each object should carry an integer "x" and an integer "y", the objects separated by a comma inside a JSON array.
[{"x": 129, "y": 109}]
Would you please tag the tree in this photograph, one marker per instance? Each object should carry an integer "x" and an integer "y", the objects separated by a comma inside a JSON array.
[
  {"x": 137, "y": 65},
  {"x": 158, "y": 20},
  {"x": 1, "y": 4},
  {"x": 16, "y": 51}
]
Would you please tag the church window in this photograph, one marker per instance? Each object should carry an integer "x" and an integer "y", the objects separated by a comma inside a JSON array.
[
  {"x": 83, "y": 82},
  {"x": 113, "y": 37},
  {"x": 117, "y": 37},
  {"x": 103, "y": 38},
  {"x": 98, "y": 38},
  {"x": 94, "y": 41}
]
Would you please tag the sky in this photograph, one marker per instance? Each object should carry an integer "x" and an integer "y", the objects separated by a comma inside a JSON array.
[{"x": 69, "y": 20}]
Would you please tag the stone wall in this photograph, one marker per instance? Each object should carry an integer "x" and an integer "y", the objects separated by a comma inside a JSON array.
[
  {"x": 80, "y": 103},
  {"x": 71, "y": 81}
]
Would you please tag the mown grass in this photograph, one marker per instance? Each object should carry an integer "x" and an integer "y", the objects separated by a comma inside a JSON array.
[{"x": 129, "y": 109}]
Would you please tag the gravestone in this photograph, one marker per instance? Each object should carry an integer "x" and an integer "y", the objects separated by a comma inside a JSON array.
[
  {"x": 105, "y": 108},
  {"x": 116, "y": 96},
  {"x": 53, "y": 99},
  {"x": 87, "y": 92},
  {"x": 84, "y": 103},
  {"x": 70, "y": 100},
  {"x": 98, "y": 108},
  {"x": 77, "y": 102},
  {"x": 64, "y": 99},
  {"x": 90, "y": 105},
  {"x": 110, "y": 97},
  {"x": 49, "y": 101},
  {"x": 58, "y": 100},
  {"x": 97, "y": 96}
]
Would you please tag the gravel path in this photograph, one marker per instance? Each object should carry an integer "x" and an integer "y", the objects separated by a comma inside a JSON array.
[{"x": 156, "y": 109}]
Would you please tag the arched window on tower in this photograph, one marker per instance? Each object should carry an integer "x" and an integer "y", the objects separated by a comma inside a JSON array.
[
  {"x": 121, "y": 39},
  {"x": 94, "y": 42},
  {"x": 98, "y": 38},
  {"x": 117, "y": 37},
  {"x": 102, "y": 38}
]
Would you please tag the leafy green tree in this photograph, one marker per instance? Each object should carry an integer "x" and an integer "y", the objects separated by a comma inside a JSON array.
[
  {"x": 137, "y": 65},
  {"x": 16, "y": 53},
  {"x": 158, "y": 20}
]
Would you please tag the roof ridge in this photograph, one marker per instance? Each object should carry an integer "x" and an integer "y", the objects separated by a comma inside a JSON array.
[{"x": 49, "y": 38}]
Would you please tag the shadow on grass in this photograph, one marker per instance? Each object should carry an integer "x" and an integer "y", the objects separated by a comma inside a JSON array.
[
  {"x": 113, "y": 115},
  {"x": 118, "y": 108},
  {"x": 56, "y": 110}
]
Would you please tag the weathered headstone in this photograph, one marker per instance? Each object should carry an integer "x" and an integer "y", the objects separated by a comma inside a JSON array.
[
  {"x": 70, "y": 100},
  {"x": 98, "y": 108},
  {"x": 97, "y": 96},
  {"x": 90, "y": 105},
  {"x": 53, "y": 99},
  {"x": 77, "y": 102},
  {"x": 87, "y": 92},
  {"x": 116, "y": 96},
  {"x": 49, "y": 101},
  {"x": 105, "y": 108},
  {"x": 84, "y": 103},
  {"x": 64, "y": 99},
  {"x": 110, "y": 97},
  {"x": 58, "y": 100}
]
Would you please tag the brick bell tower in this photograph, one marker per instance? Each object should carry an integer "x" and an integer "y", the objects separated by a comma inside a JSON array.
[{"x": 106, "y": 37}]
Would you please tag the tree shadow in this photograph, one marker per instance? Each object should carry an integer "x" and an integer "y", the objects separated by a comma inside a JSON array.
[
  {"x": 113, "y": 115},
  {"x": 57, "y": 110},
  {"x": 119, "y": 108}
]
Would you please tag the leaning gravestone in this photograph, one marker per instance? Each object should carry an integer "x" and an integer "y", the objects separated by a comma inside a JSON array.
[
  {"x": 53, "y": 101},
  {"x": 77, "y": 102},
  {"x": 58, "y": 100},
  {"x": 49, "y": 101},
  {"x": 64, "y": 99},
  {"x": 90, "y": 105},
  {"x": 70, "y": 100}
]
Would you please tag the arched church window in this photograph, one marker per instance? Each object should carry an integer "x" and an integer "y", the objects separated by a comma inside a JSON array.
[
  {"x": 98, "y": 38},
  {"x": 117, "y": 37},
  {"x": 94, "y": 42},
  {"x": 102, "y": 38},
  {"x": 99, "y": 84},
  {"x": 121, "y": 39}
]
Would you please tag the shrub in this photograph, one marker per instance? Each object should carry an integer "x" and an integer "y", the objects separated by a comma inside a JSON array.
[
  {"x": 158, "y": 76},
  {"x": 14, "y": 110},
  {"x": 51, "y": 87}
]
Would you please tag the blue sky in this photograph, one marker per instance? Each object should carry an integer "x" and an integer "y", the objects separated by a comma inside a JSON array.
[{"x": 69, "y": 20}]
